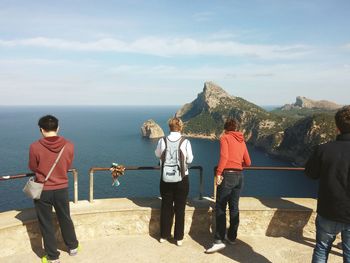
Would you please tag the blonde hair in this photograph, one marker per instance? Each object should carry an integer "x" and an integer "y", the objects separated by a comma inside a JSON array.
[{"x": 175, "y": 124}]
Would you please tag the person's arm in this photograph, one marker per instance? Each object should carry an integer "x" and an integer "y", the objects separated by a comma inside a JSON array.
[
  {"x": 223, "y": 156},
  {"x": 33, "y": 162},
  {"x": 246, "y": 158},
  {"x": 313, "y": 165},
  {"x": 71, "y": 156},
  {"x": 189, "y": 154},
  {"x": 160, "y": 148}
]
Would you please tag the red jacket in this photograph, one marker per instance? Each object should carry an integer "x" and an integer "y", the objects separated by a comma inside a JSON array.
[
  {"x": 42, "y": 155},
  {"x": 233, "y": 152}
]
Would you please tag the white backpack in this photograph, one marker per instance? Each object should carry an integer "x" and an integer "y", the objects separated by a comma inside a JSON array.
[{"x": 173, "y": 163}]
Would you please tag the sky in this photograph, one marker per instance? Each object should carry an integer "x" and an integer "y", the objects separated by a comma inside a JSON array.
[{"x": 81, "y": 52}]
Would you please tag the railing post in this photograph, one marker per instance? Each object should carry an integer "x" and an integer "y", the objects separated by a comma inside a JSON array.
[
  {"x": 214, "y": 184},
  {"x": 75, "y": 185},
  {"x": 91, "y": 193},
  {"x": 201, "y": 183}
]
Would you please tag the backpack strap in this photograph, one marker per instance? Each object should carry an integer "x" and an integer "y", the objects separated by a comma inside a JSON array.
[
  {"x": 162, "y": 156},
  {"x": 181, "y": 141},
  {"x": 182, "y": 158}
]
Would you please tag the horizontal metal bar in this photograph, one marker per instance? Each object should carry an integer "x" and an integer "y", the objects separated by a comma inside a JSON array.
[
  {"x": 73, "y": 171},
  {"x": 274, "y": 168},
  {"x": 138, "y": 168},
  {"x": 17, "y": 176},
  {"x": 259, "y": 168},
  {"x": 135, "y": 168}
]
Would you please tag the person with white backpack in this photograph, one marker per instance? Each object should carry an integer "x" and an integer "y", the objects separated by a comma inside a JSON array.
[{"x": 175, "y": 153}]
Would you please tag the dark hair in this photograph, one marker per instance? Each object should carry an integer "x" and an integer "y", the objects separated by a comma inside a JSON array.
[
  {"x": 342, "y": 119},
  {"x": 48, "y": 123},
  {"x": 231, "y": 125}
]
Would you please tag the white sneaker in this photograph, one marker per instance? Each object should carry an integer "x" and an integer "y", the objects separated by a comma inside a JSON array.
[
  {"x": 179, "y": 243},
  {"x": 215, "y": 248},
  {"x": 162, "y": 240},
  {"x": 74, "y": 252}
]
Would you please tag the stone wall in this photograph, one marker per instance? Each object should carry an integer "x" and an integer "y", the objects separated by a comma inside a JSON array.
[{"x": 291, "y": 218}]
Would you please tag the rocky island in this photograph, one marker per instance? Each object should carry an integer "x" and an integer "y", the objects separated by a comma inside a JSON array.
[
  {"x": 151, "y": 129},
  {"x": 279, "y": 133}
]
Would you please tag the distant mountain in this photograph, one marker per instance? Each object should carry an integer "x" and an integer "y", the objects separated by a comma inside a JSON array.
[
  {"x": 305, "y": 103},
  {"x": 281, "y": 135}
]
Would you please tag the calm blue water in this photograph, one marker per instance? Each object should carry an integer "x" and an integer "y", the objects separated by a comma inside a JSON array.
[{"x": 103, "y": 135}]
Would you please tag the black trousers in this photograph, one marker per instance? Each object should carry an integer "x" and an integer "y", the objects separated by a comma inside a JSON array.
[
  {"x": 228, "y": 192},
  {"x": 60, "y": 201},
  {"x": 174, "y": 196}
]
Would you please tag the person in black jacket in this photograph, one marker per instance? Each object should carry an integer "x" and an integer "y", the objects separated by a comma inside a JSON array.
[{"x": 330, "y": 163}]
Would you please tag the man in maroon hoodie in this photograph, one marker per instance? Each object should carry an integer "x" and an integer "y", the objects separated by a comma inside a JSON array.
[
  {"x": 229, "y": 179},
  {"x": 42, "y": 155}
]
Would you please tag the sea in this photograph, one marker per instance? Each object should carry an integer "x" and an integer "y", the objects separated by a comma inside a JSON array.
[{"x": 106, "y": 134}]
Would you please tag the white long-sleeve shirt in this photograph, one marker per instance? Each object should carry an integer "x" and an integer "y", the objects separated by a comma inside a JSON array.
[{"x": 185, "y": 147}]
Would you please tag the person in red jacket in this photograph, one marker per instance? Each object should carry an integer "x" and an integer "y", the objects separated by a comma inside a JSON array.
[
  {"x": 229, "y": 179},
  {"x": 42, "y": 155}
]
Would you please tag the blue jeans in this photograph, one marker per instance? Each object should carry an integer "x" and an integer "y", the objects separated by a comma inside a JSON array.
[
  {"x": 228, "y": 192},
  {"x": 326, "y": 231}
]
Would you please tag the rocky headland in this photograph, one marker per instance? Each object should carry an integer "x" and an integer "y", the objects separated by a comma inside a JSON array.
[
  {"x": 151, "y": 129},
  {"x": 305, "y": 103},
  {"x": 287, "y": 136}
]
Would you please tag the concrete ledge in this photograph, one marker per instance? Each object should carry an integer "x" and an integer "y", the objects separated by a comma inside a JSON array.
[{"x": 282, "y": 217}]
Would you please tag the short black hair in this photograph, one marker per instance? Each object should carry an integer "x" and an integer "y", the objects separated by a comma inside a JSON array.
[
  {"x": 342, "y": 119},
  {"x": 231, "y": 125},
  {"x": 48, "y": 123}
]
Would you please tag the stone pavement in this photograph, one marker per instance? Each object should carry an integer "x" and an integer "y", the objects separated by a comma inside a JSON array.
[{"x": 145, "y": 248}]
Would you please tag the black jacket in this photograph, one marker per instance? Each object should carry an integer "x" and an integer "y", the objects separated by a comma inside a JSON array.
[{"x": 330, "y": 163}]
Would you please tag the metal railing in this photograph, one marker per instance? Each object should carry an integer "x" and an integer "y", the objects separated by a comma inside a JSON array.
[
  {"x": 135, "y": 168},
  {"x": 259, "y": 168},
  {"x": 73, "y": 171}
]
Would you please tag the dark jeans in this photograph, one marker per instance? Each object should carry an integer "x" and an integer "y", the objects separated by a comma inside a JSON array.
[
  {"x": 174, "y": 196},
  {"x": 60, "y": 201},
  {"x": 228, "y": 192}
]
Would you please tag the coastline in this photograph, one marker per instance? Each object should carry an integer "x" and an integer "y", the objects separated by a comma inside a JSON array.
[{"x": 201, "y": 136}]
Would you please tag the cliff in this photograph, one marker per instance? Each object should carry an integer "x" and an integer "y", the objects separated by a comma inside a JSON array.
[
  {"x": 205, "y": 116},
  {"x": 151, "y": 130},
  {"x": 281, "y": 135}
]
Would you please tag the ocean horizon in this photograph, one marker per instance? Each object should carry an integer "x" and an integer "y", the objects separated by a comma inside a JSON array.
[{"x": 106, "y": 134}]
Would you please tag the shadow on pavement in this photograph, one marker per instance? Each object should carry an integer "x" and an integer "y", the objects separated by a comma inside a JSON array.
[
  {"x": 154, "y": 220},
  {"x": 290, "y": 225},
  {"x": 29, "y": 220},
  {"x": 201, "y": 232}
]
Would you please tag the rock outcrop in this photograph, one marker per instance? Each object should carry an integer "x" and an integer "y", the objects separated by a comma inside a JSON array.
[
  {"x": 205, "y": 116},
  {"x": 305, "y": 103},
  {"x": 151, "y": 129},
  {"x": 281, "y": 135}
]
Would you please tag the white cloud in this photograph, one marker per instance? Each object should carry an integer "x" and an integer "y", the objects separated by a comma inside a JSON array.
[
  {"x": 255, "y": 82},
  {"x": 167, "y": 47}
]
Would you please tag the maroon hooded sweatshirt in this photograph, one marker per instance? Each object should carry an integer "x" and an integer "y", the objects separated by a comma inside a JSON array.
[
  {"x": 43, "y": 154},
  {"x": 233, "y": 152}
]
